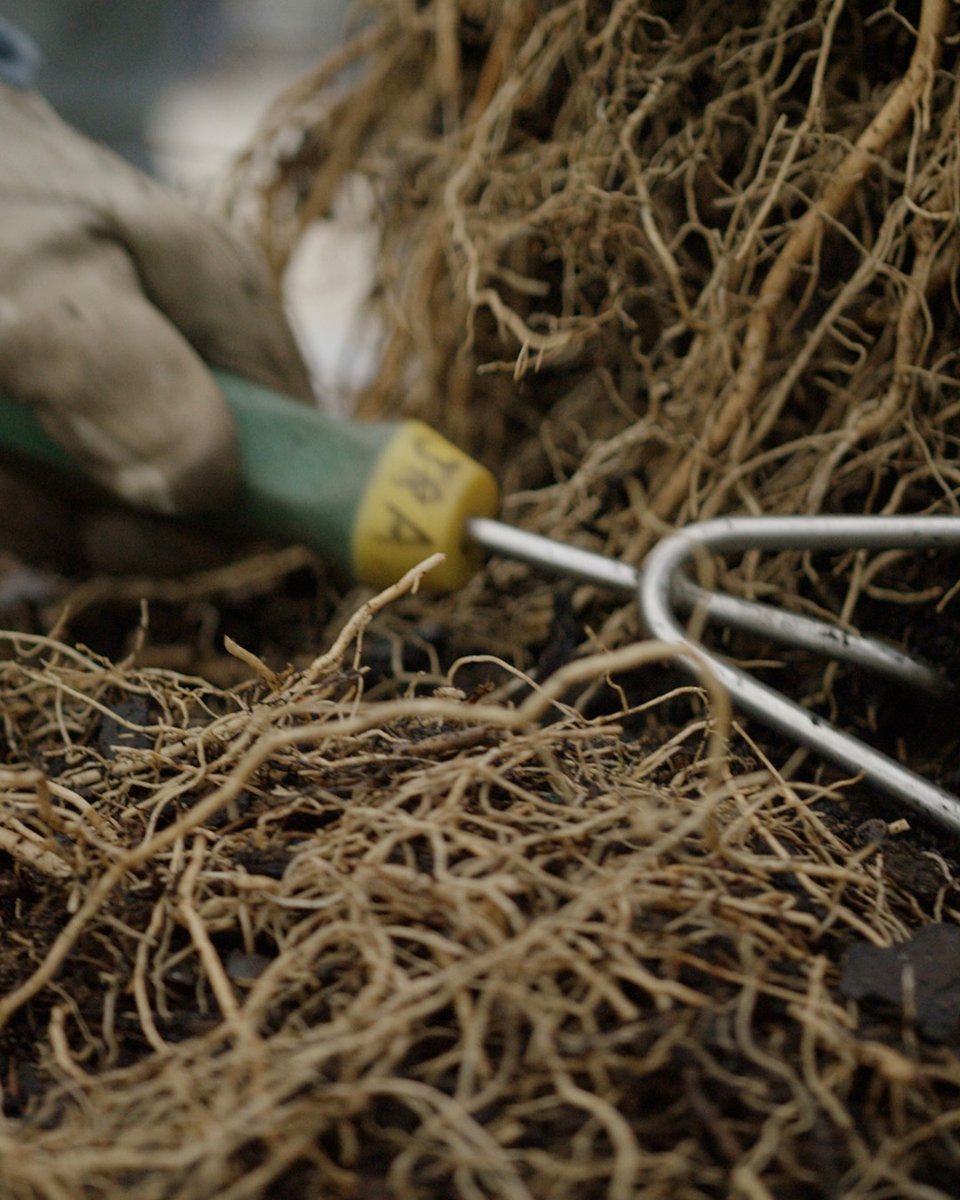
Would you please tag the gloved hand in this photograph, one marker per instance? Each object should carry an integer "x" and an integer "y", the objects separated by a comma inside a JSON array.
[{"x": 114, "y": 294}]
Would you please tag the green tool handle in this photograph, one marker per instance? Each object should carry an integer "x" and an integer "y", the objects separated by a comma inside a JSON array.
[{"x": 373, "y": 499}]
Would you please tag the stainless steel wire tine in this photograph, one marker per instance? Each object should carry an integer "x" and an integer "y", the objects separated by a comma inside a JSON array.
[
  {"x": 655, "y": 594},
  {"x": 748, "y": 616}
]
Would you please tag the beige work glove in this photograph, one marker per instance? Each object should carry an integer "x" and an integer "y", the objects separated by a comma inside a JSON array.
[{"x": 114, "y": 295}]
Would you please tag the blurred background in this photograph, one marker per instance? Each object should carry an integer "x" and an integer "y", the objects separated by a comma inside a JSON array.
[
  {"x": 173, "y": 84},
  {"x": 178, "y": 87}
]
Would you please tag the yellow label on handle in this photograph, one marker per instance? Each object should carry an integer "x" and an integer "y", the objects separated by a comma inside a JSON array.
[{"x": 422, "y": 493}]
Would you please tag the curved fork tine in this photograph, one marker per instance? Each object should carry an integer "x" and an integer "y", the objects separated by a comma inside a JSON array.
[{"x": 655, "y": 594}]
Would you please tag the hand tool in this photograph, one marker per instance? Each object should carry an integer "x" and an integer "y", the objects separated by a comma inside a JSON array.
[{"x": 376, "y": 499}]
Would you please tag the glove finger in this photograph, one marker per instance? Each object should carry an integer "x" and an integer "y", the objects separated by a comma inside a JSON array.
[
  {"x": 38, "y": 526},
  {"x": 211, "y": 284},
  {"x": 121, "y": 542},
  {"x": 49, "y": 530},
  {"x": 116, "y": 384},
  {"x": 215, "y": 288}
]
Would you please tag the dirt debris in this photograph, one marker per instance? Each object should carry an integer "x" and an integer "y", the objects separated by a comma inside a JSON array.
[{"x": 319, "y": 944}]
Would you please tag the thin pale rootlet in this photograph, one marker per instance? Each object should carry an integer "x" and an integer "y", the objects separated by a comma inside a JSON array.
[{"x": 653, "y": 261}]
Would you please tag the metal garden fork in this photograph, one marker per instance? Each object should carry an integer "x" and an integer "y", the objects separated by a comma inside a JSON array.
[{"x": 661, "y": 588}]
